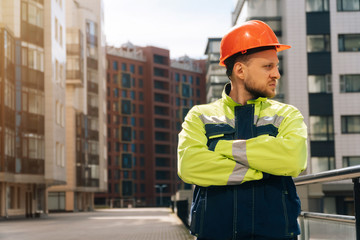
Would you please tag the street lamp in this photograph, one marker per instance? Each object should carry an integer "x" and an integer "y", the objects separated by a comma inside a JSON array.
[{"x": 161, "y": 190}]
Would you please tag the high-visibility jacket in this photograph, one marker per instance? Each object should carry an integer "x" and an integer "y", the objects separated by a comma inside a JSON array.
[{"x": 242, "y": 159}]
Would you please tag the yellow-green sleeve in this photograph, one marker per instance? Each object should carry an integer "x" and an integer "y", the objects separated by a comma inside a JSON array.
[{"x": 203, "y": 167}]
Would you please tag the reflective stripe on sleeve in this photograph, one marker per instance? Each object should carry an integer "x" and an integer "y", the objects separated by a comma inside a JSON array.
[
  {"x": 238, "y": 174},
  {"x": 274, "y": 120},
  {"x": 217, "y": 120},
  {"x": 239, "y": 152}
]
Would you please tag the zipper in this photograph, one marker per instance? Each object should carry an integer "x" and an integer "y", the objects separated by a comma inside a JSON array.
[
  {"x": 235, "y": 214},
  {"x": 203, "y": 206},
  {"x": 284, "y": 193},
  {"x": 252, "y": 117},
  {"x": 253, "y": 211}
]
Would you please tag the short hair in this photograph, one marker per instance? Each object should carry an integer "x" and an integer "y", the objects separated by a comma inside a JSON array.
[{"x": 242, "y": 57}]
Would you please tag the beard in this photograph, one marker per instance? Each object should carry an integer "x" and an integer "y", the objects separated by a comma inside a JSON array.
[{"x": 256, "y": 92}]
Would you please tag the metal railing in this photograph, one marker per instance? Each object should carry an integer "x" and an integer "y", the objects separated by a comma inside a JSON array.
[{"x": 329, "y": 176}]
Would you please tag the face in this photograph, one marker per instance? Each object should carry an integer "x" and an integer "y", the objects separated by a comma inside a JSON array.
[{"x": 260, "y": 74}]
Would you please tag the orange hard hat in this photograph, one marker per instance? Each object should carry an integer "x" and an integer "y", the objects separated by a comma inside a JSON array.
[{"x": 251, "y": 34}]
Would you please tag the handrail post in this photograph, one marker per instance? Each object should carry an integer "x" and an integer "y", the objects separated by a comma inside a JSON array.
[{"x": 357, "y": 206}]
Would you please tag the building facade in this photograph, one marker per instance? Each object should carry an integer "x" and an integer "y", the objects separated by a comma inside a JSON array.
[
  {"x": 148, "y": 94},
  {"x": 27, "y": 168},
  {"x": 84, "y": 107},
  {"x": 36, "y": 132},
  {"x": 215, "y": 74},
  {"x": 321, "y": 77}
]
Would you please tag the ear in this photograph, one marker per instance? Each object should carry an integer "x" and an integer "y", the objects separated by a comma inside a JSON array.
[{"x": 238, "y": 70}]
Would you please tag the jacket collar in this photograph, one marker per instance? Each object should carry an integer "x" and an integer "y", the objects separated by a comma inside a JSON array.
[{"x": 231, "y": 103}]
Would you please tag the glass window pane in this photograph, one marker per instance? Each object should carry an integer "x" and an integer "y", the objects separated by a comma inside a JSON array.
[
  {"x": 318, "y": 43},
  {"x": 352, "y": 42},
  {"x": 317, "y": 84},
  {"x": 320, "y": 164},
  {"x": 353, "y": 124},
  {"x": 350, "y": 5},
  {"x": 320, "y": 128},
  {"x": 351, "y": 161},
  {"x": 350, "y": 83},
  {"x": 317, "y": 5},
  {"x": 350, "y": 124},
  {"x": 349, "y": 43}
]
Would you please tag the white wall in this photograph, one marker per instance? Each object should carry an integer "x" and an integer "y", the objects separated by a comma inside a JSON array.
[{"x": 344, "y": 63}]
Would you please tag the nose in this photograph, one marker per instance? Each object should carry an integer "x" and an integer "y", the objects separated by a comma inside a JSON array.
[{"x": 275, "y": 73}]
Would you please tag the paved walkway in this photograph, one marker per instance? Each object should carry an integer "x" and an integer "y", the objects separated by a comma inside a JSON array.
[{"x": 122, "y": 224}]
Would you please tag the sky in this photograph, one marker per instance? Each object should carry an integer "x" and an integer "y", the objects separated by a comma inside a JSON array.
[{"x": 181, "y": 26}]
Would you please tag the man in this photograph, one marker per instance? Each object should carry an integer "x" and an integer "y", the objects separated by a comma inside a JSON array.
[{"x": 242, "y": 150}]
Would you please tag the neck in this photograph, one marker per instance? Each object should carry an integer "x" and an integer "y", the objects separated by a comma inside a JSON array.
[{"x": 239, "y": 94}]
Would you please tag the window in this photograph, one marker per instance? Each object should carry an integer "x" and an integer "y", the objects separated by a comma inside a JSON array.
[
  {"x": 126, "y": 160},
  {"x": 115, "y": 79},
  {"x": 140, "y": 70},
  {"x": 60, "y": 36},
  {"x": 351, "y": 161},
  {"x": 348, "y": 5},
  {"x": 185, "y": 90},
  {"x": 126, "y": 80},
  {"x": 350, "y": 83},
  {"x": 24, "y": 11},
  {"x": 321, "y": 128},
  {"x": 123, "y": 67},
  {"x": 191, "y": 79},
  {"x": 56, "y": 30},
  {"x": 177, "y": 77},
  {"x": 132, "y": 68},
  {"x": 317, "y": 5},
  {"x": 126, "y": 107},
  {"x": 318, "y": 43},
  {"x": 160, "y": 72},
  {"x": 162, "y": 149},
  {"x": 133, "y": 95},
  {"x": 91, "y": 28},
  {"x": 184, "y": 78},
  {"x": 349, "y": 42},
  {"x": 116, "y": 92},
  {"x": 350, "y": 124},
  {"x": 319, "y": 83},
  {"x": 320, "y": 164},
  {"x": 126, "y": 134},
  {"x": 160, "y": 59},
  {"x": 133, "y": 81},
  {"x": 162, "y": 175},
  {"x": 162, "y": 162},
  {"x": 115, "y": 65},
  {"x": 127, "y": 188}
]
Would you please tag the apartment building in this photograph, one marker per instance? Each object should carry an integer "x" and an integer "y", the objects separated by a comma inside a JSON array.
[
  {"x": 148, "y": 95},
  {"x": 320, "y": 76},
  {"x": 28, "y": 162},
  {"x": 36, "y": 135},
  {"x": 84, "y": 107}
]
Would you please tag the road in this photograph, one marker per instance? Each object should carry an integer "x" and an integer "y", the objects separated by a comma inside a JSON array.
[{"x": 115, "y": 224}]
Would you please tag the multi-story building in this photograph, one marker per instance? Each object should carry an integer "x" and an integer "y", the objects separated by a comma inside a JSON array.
[
  {"x": 27, "y": 145},
  {"x": 38, "y": 102},
  {"x": 85, "y": 103},
  {"x": 215, "y": 74},
  {"x": 321, "y": 77},
  {"x": 148, "y": 95}
]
